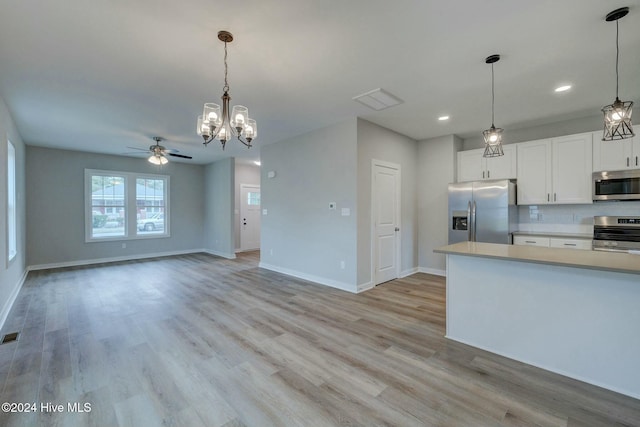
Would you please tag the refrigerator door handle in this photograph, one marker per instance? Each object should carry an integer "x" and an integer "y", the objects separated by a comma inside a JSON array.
[
  {"x": 469, "y": 222},
  {"x": 473, "y": 220}
]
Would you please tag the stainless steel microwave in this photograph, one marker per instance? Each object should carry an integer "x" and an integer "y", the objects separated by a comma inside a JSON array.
[{"x": 616, "y": 185}]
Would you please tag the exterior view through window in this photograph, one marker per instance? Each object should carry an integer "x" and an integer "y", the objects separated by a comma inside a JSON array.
[{"x": 126, "y": 205}]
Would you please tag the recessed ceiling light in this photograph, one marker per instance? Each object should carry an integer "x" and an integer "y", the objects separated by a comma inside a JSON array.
[
  {"x": 443, "y": 118},
  {"x": 563, "y": 88},
  {"x": 257, "y": 162}
]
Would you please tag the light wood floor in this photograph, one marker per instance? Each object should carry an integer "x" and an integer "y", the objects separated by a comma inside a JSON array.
[{"x": 201, "y": 341}]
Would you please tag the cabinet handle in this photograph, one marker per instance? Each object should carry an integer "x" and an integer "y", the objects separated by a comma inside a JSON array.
[
  {"x": 554, "y": 197},
  {"x": 488, "y": 174},
  {"x": 530, "y": 241},
  {"x": 627, "y": 162},
  {"x": 570, "y": 244},
  {"x": 483, "y": 173},
  {"x": 636, "y": 160}
]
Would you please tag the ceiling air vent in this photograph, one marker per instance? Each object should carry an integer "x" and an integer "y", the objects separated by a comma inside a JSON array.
[{"x": 378, "y": 99}]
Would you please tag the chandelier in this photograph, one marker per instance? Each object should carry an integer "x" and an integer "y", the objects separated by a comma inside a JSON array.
[
  {"x": 212, "y": 124},
  {"x": 617, "y": 116},
  {"x": 493, "y": 135}
]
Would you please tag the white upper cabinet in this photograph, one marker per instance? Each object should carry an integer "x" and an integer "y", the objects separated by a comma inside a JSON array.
[
  {"x": 534, "y": 172},
  {"x": 615, "y": 155},
  {"x": 473, "y": 167},
  {"x": 572, "y": 168},
  {"x": 555, "y": 171}
]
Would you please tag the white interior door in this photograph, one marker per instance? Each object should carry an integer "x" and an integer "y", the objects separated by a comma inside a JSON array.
[
  {"x": 386, "y": 221},
  {"x": 249, "y": 217}
]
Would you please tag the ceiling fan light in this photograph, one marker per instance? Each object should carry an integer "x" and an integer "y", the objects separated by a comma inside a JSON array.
[{"x": 158, "y": 160}]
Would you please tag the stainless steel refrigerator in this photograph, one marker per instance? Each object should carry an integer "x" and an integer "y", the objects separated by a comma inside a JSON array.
[{"x": 482, "y": 211}]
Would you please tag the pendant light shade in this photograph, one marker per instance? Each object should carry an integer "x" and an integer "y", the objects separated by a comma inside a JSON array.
[
  {"x": 617, "y": 116},
  {"x": 493, "y": 135}
]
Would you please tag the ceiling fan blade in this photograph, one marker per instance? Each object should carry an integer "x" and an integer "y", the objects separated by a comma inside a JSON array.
[
  {"x": 180, "y": 155},
  {"x": 139, "y": 149}
]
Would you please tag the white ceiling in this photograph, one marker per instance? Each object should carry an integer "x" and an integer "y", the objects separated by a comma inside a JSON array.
[{"x": 101, "y": 76}]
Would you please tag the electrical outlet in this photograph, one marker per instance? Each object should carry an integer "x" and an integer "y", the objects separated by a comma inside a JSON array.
[{"x": 342, "y": 265}]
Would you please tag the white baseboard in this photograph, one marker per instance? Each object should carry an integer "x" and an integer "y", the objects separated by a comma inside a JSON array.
[
  {"x": 434, "y": 271},
  {"x": 365, "y": 286},
  {"x": 409, "y": 272},
  {"x": 12, "y": 298},
  {"x": 112, "y": 259},
  {"x": 226, "y": 255},
  {"x": 311, "y": 278}
]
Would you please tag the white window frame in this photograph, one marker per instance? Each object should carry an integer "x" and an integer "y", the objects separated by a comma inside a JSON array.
[
  {"x": 131, "y": 220},
  {"x": 12, "y": 214}
]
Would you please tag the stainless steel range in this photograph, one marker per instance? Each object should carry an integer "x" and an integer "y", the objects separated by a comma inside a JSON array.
[{"x": 616, "y": 233}]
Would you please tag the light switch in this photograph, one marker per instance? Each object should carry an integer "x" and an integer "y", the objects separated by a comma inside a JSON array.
[
  {"x": 264, "y": 211},
  {"x": 346, "y": 211}
]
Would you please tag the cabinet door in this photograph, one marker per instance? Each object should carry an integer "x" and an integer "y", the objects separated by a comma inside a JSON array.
[
  {"x": 635, "y": 158},
  {"x": 572, "y": 168},
  {"x": 611, "y": 155},
  {"x": 470, "y": 165},
  {"x": 524, "y": 240},
  {"x": 583, "y": 244},
  {"x": 503, "y": 167},
  {"x": 534, "y": 172}
]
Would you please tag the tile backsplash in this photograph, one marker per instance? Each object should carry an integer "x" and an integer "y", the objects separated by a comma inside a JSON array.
[{"x": 571, "y": 218}]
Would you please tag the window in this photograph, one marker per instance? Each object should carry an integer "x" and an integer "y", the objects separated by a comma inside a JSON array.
[
  {"x": 253, "y": 198},
  {"x": 12, "y": 227},
  {"x": 124, "y": 205}
]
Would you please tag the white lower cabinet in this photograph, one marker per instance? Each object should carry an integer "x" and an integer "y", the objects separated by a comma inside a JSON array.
[
  {"x": 531, "y": 241},
  {"x": 584, "y": 244},
  {"x": 552, "y": 242}
]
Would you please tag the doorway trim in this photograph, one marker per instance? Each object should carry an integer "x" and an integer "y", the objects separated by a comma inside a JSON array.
[{"x": 398, "y": 255}]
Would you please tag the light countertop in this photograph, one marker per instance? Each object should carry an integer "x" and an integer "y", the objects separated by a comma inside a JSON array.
[{"x": 595, "y": 260}]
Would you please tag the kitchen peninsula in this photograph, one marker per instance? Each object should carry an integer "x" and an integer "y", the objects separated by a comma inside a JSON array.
[{"x": 576, "y": 313}]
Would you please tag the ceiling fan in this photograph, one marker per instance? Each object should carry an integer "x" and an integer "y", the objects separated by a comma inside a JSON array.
[{"x": 159, "y": 153}]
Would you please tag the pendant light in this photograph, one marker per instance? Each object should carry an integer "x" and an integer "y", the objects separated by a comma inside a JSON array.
[
  {"x": 617, "y": 116},
  {"x": 493, "y": 135},
  {"x": 212, "y": 124}
]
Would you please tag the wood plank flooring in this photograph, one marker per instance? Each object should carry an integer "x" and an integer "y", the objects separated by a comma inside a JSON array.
[{"x": 197, "y": 340}]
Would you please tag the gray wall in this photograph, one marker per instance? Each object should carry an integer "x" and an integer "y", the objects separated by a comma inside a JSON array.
[
  {"x": 219, "y": 236},
  {"x": 56, "y": 206},
  {"x": 437, "y": 160},
  {"x": 376, "y": 142},
  {"x": 245, "y": 174},
  {"x": 11, "y": 273},
  {"x": 300, "y": 235}
]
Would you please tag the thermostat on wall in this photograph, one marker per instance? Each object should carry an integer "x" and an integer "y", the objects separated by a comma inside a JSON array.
[{"x": 271, "y": 174}]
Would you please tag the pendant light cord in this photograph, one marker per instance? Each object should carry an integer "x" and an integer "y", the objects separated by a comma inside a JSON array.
[
  {"x": 617, "y": 59},
  {"x": 493, "y": 96}
]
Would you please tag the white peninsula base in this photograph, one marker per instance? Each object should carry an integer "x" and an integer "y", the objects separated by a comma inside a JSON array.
[{"x": 580, "y": 322}]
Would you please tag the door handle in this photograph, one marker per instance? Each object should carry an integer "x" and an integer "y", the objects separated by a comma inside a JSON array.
[
  {"x": 473, "y": 214},
  {"x": 469, "y": 223}
]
